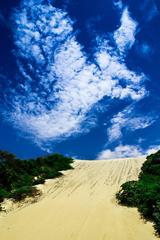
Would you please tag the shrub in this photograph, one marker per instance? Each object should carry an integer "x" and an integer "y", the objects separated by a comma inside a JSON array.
[
  {"x": 39, "y": 180},
  {"x": 21, "y": 193},
  {"x": 156, "y": 216},
  {"x": 17, "y": 177},
  {"x": 3, "y": 194},
  {"x": 145, "y": 193},
  {"x": 128, "y": 194}
]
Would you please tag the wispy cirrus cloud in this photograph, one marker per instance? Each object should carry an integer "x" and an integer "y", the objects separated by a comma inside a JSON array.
[
  {"x": 118, "y": 4},
  {"x": 124, "y": 151},
  {"x": 127, "y": 120},
  {"x": 59, "y": 85},
  {"x": 121, "y": 151},
  {"x": 153, "y": 149},
  {"x": 125, "y": 35}
]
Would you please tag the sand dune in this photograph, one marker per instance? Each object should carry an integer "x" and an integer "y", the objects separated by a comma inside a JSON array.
[{"x": 81, "y": 205}]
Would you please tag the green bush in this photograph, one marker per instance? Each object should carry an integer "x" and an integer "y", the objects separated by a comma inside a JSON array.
[
  {"x": 145, "y": 193},
  {"x": 17, "y": 177},
  {"x": 39, "y": 180},
  {"x": 3, "y": 194},
  {"x": 156, "y": 216},
  {"x": 21, "y": 193},
  {"x": 127, "y": 193}
]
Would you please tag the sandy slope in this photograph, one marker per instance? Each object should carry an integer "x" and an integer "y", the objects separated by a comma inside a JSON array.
[{"x": 81, "y": 206}]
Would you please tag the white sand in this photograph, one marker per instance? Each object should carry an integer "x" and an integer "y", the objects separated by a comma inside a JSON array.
[{"x": 81, "y": 205}]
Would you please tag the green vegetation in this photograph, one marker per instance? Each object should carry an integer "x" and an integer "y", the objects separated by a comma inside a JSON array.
[
  {"x": 19, "y": 177},
  {"x": 145, "y": 193}
]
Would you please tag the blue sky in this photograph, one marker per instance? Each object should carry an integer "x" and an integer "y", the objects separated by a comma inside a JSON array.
[{"x": 80, "y": 77}]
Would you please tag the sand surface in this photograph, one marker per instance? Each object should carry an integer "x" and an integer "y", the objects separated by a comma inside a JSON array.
[{"x": 81, "y": 205}]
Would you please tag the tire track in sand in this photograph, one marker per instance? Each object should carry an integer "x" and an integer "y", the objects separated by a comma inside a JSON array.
[{"x": 81, "y": 205}]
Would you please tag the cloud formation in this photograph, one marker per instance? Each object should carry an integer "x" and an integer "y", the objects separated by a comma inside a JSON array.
[
  {"x": 124, "y": 151},
  {"x": 59, "y": 85},
  {"x": 125, "y": 35},
  {"x": 121, "y": 151},
  {"x": 127, "y": 119},
  {"x": 118, "y": 4}
]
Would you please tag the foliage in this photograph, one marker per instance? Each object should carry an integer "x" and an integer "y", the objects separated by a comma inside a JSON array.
[
  {"x": 18, "y": 177},
  {"x": 3, "y": 194},
  {"x": 145, "y": 193},
  {"x": 23, "y": 192}
]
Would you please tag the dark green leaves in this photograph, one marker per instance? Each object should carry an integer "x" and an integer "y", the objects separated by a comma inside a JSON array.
[
  {"x": 145, "y": 193},
  {"x": 18, "y": 177}
]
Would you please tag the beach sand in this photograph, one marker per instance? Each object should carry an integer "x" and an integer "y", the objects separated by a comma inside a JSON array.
[{"x": 81, "y": 205}]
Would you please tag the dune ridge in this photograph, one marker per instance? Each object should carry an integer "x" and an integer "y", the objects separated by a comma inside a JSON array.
[{"x": 81, "y": 205}]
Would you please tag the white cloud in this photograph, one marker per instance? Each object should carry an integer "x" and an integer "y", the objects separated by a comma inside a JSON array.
[
  {"x": 152, "y": 149},
  {"x": 125, "y": 35},
  {"x": 118, "y": 4},
  {"x": 127, "y": 119},
  {"x": 123, "y": 151},
  {"x": 59, "y": 85},
  {"x": 31, "y": 3}
]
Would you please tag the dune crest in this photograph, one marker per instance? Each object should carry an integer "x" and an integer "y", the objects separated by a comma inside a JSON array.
[{"x": 81, "y": 205}]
